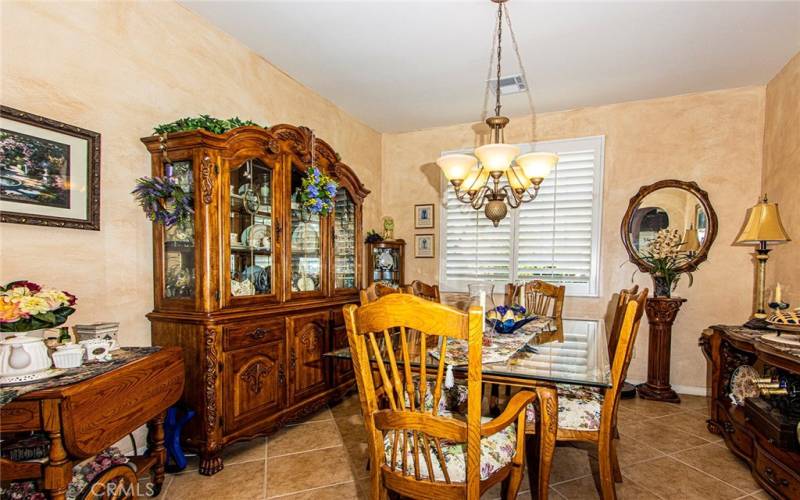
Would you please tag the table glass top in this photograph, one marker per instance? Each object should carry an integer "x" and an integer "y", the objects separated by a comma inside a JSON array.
[{"x": 570, "y": 351}]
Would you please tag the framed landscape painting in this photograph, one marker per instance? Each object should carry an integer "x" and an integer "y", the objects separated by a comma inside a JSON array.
[{"x": 49, "y": 172}]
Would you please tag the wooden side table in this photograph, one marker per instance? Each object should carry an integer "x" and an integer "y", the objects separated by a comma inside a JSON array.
[
  {"x": 661, "y": 313},
  {"x": 84, "y": 418}
]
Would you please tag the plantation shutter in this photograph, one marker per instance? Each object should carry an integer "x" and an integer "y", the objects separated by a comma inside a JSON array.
[
  {"x": 475, "y": 250},
  {"x": 556, "y": 230}
]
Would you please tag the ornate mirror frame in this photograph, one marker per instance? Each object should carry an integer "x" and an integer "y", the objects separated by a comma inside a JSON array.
[{"x": 691, "y": 187}]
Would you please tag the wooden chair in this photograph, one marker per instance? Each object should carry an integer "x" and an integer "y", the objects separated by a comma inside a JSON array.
[
  {"x": 585, "y": 414},
  {"x": 541, "y": 298},
  {"x": 424, "y": 290},
  {"x": 419, "y": 449},
  {"x": 376, "y": 291},
  {"x": 623, "y": 298}
]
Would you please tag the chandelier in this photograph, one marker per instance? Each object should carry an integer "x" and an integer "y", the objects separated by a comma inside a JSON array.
[{"x": 478, "y": 181}]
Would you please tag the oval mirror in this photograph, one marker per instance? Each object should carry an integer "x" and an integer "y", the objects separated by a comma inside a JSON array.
[{"x": 674, "y": 205}]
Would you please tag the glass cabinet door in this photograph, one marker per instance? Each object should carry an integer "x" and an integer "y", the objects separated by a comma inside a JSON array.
[
  {"x": 250, "y": 238},
  {"x": 179, "y": 244},
  {"x": 344, "y": 241},
  {"x": 386, "y": 266},
  {"x": 305, "y": 247}
]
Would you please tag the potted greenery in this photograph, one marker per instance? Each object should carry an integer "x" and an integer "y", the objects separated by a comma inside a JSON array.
[{"x": 664, "y": 257}]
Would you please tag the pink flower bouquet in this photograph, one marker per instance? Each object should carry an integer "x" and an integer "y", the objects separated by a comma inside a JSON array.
[{"x": 26, "y": 306}]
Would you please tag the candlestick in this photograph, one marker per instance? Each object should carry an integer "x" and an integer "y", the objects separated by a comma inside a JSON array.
[
  {"x": 778, "y": 293},
  {"x": 522, "y": 296}
]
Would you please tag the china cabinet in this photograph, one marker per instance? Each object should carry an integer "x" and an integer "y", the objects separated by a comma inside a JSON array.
[
  {"x": 252, "y": 289},
  {"x": 386, "y": 262}
]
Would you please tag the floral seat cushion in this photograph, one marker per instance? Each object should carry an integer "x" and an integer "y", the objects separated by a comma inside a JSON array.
[
  {"x": 578, "y": 408},
  {"x": 497, "y": 451}
]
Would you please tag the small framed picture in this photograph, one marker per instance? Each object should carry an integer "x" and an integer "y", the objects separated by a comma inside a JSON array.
[
  {"x": 49, "y": 172},
  {"x": 423, "y": 246},
  {"x": 423, "y": 216}
]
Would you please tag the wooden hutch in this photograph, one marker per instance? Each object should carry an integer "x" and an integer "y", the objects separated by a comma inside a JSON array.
[
  {"x": 253, "y": 289},
  {"x": 760, "y": 437}
]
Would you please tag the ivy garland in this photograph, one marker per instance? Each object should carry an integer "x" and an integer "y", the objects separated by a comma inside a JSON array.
[{"x": 205, "y": 122}]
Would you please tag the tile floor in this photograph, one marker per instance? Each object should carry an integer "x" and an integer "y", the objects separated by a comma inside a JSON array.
[{"x": 665, "y": 452}]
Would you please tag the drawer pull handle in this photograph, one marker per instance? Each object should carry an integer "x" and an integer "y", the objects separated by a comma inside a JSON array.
[{"x": 258, "y": 334}]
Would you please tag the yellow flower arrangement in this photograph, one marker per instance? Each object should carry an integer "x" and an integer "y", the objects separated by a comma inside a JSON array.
[{"x": 25, "y": 306}]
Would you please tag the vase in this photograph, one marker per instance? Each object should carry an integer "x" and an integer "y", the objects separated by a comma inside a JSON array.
[
  {"x": 482, "y": 295},
  {"x": 661, "y": 286}
]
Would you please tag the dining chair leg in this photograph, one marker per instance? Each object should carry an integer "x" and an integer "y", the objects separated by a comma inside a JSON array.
[
  {"x": 615, "y": 462},
  {"x": 510, "y": 487},
  {"x": 494, "y": 400},
  {"x": 604, "y": 451},
  {"x": 539, "y": 448}
]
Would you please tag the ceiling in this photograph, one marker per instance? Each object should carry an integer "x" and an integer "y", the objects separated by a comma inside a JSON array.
[{"x": 405, "y": 65}]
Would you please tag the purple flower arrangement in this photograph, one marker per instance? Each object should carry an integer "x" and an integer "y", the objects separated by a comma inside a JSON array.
[
  {"x": 164, "y": 201},
  {"x": 317, "y": 193}
]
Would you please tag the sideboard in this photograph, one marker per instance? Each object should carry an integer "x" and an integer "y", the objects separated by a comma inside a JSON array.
[{"x": 776, "y": 468}]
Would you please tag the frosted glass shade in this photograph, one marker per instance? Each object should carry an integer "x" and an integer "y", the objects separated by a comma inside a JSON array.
[
  {"x": 456, "y": 166},
  {"x": 517, "y": 179},
  {"x": 497, "y": 157},
  {"x": 476, "y": 179},
  {"x": 537, "y": 165}
]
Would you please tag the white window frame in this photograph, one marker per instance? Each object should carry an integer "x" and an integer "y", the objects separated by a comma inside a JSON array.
[{"x": 597, "y": 143}]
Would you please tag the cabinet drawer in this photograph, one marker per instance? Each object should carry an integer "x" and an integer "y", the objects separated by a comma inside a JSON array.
[
  {"x": 253, "y": 333},
  {"x": 20, "y": 416},
  {"x": 776, "y": 475},
  {"x": 734, "y": 433}
]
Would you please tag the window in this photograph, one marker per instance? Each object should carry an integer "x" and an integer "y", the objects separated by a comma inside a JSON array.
[{"x": 555, "y": 238}]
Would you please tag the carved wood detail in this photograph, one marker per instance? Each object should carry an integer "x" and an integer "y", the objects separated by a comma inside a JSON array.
[
  {"x": 211, "y": 387},
  {"x": 207, "y": 177},
  {"x": 254, "y": 375}
]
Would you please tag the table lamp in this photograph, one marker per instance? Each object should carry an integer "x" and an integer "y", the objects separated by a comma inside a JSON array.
[
  {"x": 691, "y": 242},
  {"x": 762, "y": 227}
]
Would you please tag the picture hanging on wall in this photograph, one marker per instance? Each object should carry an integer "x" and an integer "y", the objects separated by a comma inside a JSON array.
[
  {"x": 49, "y": 172},
  {"x": 423, "y": 246},
  {"x": 423, "y": 216}
]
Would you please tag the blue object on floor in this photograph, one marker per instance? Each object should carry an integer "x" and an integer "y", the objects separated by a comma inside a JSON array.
[{"x": 173, "y": 424}]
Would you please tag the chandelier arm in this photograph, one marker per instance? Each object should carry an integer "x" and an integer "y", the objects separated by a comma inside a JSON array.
[
  {"x": 532, "y": 192},
  {"x": 514, "y": 200},
  {"x": 480, "y": 198},
  {"x": 522, "y": 70},
  {"x": 463, "y": 196}
]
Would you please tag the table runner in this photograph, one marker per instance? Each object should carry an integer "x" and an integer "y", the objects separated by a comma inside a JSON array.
[
  {"x": 504, "y": 345},
  {"x": 120, "y": 357}
]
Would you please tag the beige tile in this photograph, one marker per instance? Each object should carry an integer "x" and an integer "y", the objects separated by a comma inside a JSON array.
[
  {"x": 146, "y": 486},
  {"x": 344, "y": 491},
  {"x": 664, "y": 438},
  {"x": 234, "y": 482},
  {"x": 354, "y": 437},
  {"x": 303, "y": 471},
  {"x": 688, "y": 421},
  {"x": 569, "y": 462},
  {"x": 304, "y": 437},
  {"x": 696, "y": 403},
  {"x": 725, "y": 466},
  {"x": 585, "y": 488},
  {"x": 647, "y": 408},
  {"x": 245, "y": 451},
  {"x": 348, "y": 406},
  {"x": 671, "y": 479},
  {"x": 762, "y": 495},
  {"x": 631, "y": 451},
  {"x": 323, "y": 414},
  {"x": 494, "y": 491}
]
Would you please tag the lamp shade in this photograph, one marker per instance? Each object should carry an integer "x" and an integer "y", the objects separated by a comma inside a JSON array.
[
  {"x": 691, "y": 243},
  {"x": 762, "y": 223},
  {"x": 456, "y": 166},
  {"x": 517, "y": 179},
  {"x": 496, "y": 157},
  {"x": 537, "y": 165},
  {"x": 476, "y": 179}
]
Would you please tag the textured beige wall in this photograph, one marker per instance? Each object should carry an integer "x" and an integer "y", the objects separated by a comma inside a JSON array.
[
  {"x": 781, "y": 177},
  {"x": 119, "y": 68},
  {"x": 713, "y": 138}
]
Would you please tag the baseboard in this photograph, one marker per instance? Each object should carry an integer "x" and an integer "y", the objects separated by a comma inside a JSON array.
[{"x": 690, "y": 390}]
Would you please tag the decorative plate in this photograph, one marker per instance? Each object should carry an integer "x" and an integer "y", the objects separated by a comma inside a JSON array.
[
  {"x": 385, "y": 260},
  {"x": 785, "y": 320},
  {"x": 252, "y": 235},
  {"x": 743, "y": 383},
  {"x": 781, "y": 340},
  {"x": 305, "y": 284}
]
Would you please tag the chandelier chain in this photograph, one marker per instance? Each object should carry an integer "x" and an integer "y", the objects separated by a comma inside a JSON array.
[
  {"x": 499, "y": 57},
  {"x": 522, "y": 70},
  {"x": 489, "y": 75}
]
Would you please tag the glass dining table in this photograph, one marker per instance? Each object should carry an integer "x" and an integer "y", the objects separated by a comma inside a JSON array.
[{"x": 567, "y": 351}]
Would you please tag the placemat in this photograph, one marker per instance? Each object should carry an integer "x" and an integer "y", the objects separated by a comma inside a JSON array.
[
  {"x": 120, "y": 357},
  {"x": 504, "y": 345}
]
